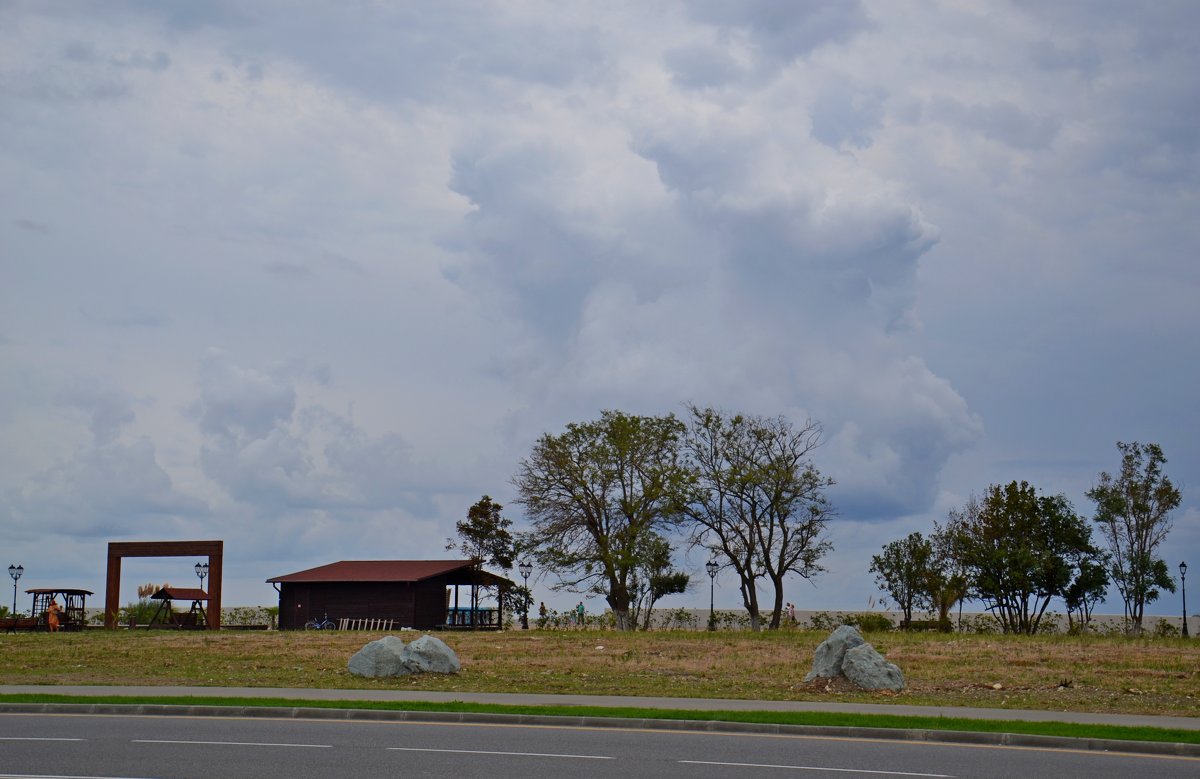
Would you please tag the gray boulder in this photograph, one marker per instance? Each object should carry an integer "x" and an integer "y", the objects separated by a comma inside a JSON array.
[
  {"x": 389, "y": 656},
  {"x": 869, "y": 670},
  {"x": 827, "y": 660},
  {"x": 384, "y": 657},
  {"x": 431, "y": 655}
]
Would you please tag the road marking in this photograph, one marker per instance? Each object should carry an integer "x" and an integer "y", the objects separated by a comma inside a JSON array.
[
  {"x": 509, "y": 754},
  {"x": 815, "y": 768},
  {"x": 36, "y": 738},
  {"x": 64, "y": 776},
  {"x": 228, "y": 743}
]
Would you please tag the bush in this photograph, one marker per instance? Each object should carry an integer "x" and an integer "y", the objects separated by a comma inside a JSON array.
[
  {"x": 1164, "y": 629},
  {"x": 867, "y": 622},
  {"x": 679, "y": 619}
]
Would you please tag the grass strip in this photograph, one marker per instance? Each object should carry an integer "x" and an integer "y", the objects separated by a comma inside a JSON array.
[{"x": 813, "y": 718}]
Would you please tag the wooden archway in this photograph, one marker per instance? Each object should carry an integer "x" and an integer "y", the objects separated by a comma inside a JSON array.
[{"x": 117, "y": 550}]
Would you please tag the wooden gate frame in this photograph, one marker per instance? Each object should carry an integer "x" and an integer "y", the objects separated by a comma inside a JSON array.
[{"x": 213, "y": 550}]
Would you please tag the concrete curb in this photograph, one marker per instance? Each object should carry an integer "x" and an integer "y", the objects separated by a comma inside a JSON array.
[{"x": 708, "y": 726}]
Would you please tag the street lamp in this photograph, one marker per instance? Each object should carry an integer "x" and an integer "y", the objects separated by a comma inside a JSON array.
[
  {"x": 525, "y": 568},
  {"x": 712, "y": 568},
  {"x": 15, "y": 572},
  {"x": 1183, "y": 586},
  {"x": 202, "y": 571}
]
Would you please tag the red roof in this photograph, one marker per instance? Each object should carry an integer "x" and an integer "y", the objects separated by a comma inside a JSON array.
[
  {"x": 376, "y": 571},
  {"x": 180, "y": 593}
]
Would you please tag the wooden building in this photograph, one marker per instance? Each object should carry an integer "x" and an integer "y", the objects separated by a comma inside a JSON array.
[{"x": 420, "y": 594}]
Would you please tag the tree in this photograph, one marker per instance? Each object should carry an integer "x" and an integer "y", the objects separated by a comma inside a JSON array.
[
  {"x": 757, "y": 500},
  {"x": 1088, "y": 588},
  {"x": 484, "y": 537},
  {"x": 1019, "y": 553},
  {"x": 949, "y": 580},
  {"x": 905, "y": 572},
  {"x": 1133, "y": 510},
  {"x": 594, "y": 494},
  {"x": 653, "y": 578}
]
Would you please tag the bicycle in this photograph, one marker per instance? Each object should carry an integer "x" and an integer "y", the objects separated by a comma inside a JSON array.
[{"x": 324, "y": 623}]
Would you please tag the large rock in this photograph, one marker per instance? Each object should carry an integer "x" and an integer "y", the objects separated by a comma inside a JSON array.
[
  {"x": 389, "y": 656},
  {"x": 384, "y": 657},
  {"x": 431, "y": 655},
  {"x": 869, "y": 670},
  {"x": 827, "y": 660}
]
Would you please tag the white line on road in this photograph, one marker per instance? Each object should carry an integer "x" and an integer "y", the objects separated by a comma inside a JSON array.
[
  {"x": 816, "y": 768},
  {"x": 38, "y": 738},
  {"x": 229, "y": 743},
  {"x": 64, "y": 776},
  {"x": 509, "y": 754}
]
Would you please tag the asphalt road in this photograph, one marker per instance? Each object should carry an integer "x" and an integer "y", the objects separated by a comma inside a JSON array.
[{"x": 120, "y": 747}]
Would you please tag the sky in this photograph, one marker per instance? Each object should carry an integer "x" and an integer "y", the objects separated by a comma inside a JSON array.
[{"x": 311, "y": 278}]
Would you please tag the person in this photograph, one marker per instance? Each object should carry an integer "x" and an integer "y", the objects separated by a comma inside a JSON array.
[
  {"x": 52, "y": 613},
  {"x": 579, "y": 614},
  {"x": 791, "y": 608}
]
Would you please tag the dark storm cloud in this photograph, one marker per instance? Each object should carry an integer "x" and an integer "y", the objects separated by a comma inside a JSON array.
[{"x": 784, "y": 31}]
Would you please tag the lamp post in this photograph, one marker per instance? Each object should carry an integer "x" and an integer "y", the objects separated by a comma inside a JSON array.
[
  {"x": 202, "y": 572},
  {"x": 1183, "y": 586},
  {"x": 525, "y": 568},
  {"x": 712, "y": 568},
  {"x": 15, "y": 572}
]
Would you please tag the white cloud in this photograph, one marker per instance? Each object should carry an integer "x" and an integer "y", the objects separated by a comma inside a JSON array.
[{"x": 419, "y": 238}]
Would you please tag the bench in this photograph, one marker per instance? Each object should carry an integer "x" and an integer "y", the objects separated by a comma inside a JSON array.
[{"x": 13, "y": 624}]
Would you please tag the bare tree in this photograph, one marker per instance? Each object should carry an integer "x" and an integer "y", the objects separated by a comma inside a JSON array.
[
  {"x": 758, "y": 503},
  {"x": 1133, "y": 510}
]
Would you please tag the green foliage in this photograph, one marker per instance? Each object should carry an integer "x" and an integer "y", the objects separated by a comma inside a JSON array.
[
  {"x": 653, "y": 578},
  {"x": 484, "y": 536},
  {"x": 758, "y": 503},
  {"x": 867, "y": 622},
  {"x": 1164, "y": 629},
  {"x": 904, "y": 572},
  {"x": 595, "y": 494},
  {"x": 1020, "y": 552},
  {"x": 678, "y": 619},
  {"x": 1133, "y": 512}
]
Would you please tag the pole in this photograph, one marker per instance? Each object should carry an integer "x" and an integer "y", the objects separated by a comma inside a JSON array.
[
  {"x": 712, "y": 567},
  {"x": 15, "y": 572},
  {"x": 1183, "y": 586},
  {"x": 525, "y": 568},
  {"x": 525, "y": 605}
]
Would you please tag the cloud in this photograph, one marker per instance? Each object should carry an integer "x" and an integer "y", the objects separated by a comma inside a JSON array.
[{"x": 109, "y": 490}]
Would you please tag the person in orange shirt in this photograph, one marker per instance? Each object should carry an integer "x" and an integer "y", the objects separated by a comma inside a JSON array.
[{"x": 52, "y": 615}]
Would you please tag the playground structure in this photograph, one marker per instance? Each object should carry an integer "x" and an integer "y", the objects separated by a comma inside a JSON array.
[
  {"x": 213, "y": 550},
  {"x": 193, "y": 619},
  {"x": 73, "y": 602}
]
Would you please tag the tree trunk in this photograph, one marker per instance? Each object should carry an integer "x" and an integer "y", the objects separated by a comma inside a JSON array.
[{"x": 777, "y": 609}]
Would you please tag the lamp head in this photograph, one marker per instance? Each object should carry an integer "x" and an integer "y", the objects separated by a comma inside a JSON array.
[
  {"x": 712, "y": 568},
  {"x": 1183, "y": 569}
]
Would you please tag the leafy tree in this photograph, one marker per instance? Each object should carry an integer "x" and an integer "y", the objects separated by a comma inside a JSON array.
[
  {"x": 1133, "y": 511},
  {"x": 1088, "y": 588},
  {"x": 757, "y": 502},
  {"x": 595, "y": 493},
  {"x": 484, "y": 538},
  {"x": 1019, "y": 552},
  {"x": 904, "y": 572},
  {"x": 654, "y": 578},
  {"x": 949, "y": 579}
]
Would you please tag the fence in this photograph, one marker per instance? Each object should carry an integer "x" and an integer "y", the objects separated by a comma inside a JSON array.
[{"x": 346, "y": 623}]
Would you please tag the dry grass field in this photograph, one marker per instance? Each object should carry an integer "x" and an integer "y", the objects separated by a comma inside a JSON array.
[{"x": 1102, "y": 674}]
